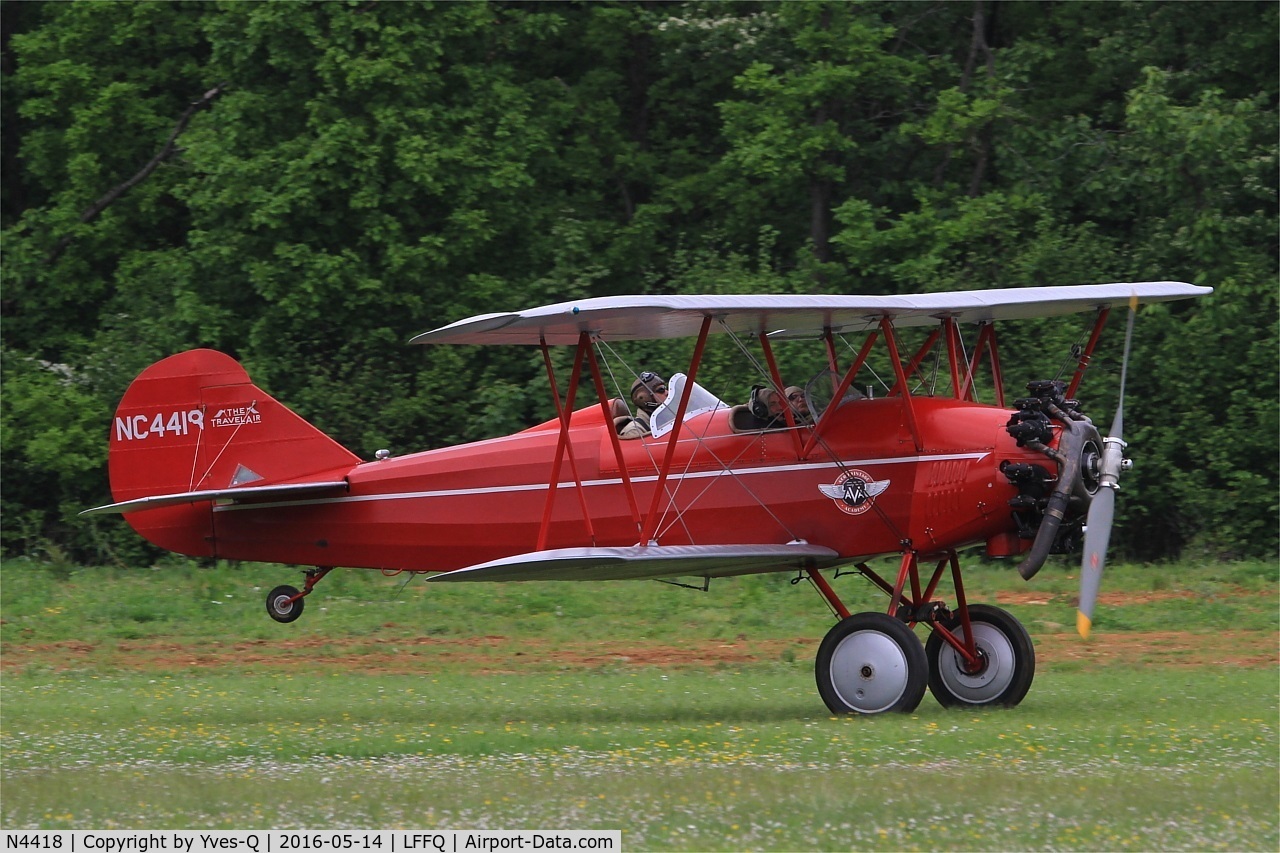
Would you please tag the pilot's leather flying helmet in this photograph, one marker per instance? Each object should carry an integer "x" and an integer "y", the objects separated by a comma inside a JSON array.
[{"x": 645, "y": 389}]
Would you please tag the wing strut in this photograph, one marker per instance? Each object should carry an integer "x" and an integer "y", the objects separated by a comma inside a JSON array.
[
  {"x": 987, "y": 339},
  {"x": 1082, "y": 364},
  {"x": 823, "y": 420},
  {"x": 776, "y": 376},
  {"x": 651, "y": 521},
  {"x": 564, "y": 446},
  {"x": 895, "y": 359},
  {"x": 953, "y": 360},
  {"x": 613, "y": 437}
]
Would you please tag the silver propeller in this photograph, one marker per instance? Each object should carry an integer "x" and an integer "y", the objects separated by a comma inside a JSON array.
[{"x": 1102, "y": 508}]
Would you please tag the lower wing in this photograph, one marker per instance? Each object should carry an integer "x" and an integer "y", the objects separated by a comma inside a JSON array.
[{"x": 645, "y": 561}]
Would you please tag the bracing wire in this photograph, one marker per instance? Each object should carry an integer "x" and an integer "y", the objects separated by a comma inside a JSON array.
[
  {"x": 607, "y": 352},
  {"x": 672, "y": 514},
  {"x": 1073, "y": 355},
  {"x": 866, "y": 365}
]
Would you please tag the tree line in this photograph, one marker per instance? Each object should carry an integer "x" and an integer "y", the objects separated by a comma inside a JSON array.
[{"x": 307, "y": 185}]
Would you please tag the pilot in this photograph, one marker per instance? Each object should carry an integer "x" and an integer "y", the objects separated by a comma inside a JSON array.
[
  {"x": 647, "y": 393},
  {"x": 766, "y": 408},
  {"x": 799, "y": 405}
]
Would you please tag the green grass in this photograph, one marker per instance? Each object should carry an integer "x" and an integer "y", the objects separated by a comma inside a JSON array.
[
  {"x": 178, "y": 601},
  {"x": 110, "y": 720},
  {"x": 687, "y": 759}
]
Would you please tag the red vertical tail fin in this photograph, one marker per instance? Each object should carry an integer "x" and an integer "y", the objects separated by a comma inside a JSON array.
[{"x": 195, "y": 423}]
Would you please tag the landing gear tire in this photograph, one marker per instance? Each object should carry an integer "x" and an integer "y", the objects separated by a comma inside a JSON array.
[
  {"x": 1008, "y": 662},
  {"x": 280, "y": 608},
  {"x": 871, "y": 663}
]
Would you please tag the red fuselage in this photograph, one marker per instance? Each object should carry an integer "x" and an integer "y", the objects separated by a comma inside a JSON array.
[{"x": 459, "y": 506}]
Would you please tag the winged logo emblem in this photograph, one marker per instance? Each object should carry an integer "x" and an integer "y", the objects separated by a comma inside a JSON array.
[{"x": 854, "y": 491}]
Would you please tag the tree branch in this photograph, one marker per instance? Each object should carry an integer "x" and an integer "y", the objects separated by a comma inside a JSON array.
[{"x": 165, "y": 152}]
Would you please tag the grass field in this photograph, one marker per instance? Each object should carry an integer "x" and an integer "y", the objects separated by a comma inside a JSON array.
[{"x": 165, "y": 698}]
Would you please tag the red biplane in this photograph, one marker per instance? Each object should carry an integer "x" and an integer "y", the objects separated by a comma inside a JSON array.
[{"x": 204, "y": 463}]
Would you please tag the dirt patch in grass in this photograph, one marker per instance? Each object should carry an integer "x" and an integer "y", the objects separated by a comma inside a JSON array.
[
  {"x": 498, "y": 654},
  {"x": 1111, "y": 599},
  {"x": 1169, "y": 648}
]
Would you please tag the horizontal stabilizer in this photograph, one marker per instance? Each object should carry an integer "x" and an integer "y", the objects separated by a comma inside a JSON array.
[
  {"x": 238, "y": 495},
  {"x": 645, "y": 561}
]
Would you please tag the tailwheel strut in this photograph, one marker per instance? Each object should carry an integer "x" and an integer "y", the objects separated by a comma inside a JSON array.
[{"x": 284, "y": 603}]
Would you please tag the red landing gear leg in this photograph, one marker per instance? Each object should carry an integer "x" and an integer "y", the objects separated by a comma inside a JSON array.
[
  {"x": 828, "y": 593},
  {"x": 872, "y": 663},
  {"x": 284, "y": 603},
  {"x": 981, "y": 656}
]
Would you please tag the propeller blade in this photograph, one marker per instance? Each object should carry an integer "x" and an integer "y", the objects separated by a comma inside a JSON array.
[
  {"x": 1117, "y": 425},
  {"x": 1102, "y": 509},
  {"x": 1096, "y": 536}
]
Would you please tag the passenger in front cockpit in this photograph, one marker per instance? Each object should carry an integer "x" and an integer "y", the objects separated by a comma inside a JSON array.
[{"x": 799, "y": 405}]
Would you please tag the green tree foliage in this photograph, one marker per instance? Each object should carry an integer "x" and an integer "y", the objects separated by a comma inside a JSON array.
[{"x": 307, "y": 185}]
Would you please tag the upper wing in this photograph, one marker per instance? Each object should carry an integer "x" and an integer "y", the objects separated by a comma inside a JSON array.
[
  {"x": 645, "y": 561},
  {"x": 652, "y": 317},
  {"x": 242, "y": 494}
]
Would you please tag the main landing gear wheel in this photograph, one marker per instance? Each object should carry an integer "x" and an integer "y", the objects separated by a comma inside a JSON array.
[
  {"x": 871, "y": 663},
  {"x": 1008, "y": 661},
  {"x": 280, "y": 608}
]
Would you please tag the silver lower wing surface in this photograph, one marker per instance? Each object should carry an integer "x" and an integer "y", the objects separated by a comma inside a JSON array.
[{"x": 645, "y": 561}]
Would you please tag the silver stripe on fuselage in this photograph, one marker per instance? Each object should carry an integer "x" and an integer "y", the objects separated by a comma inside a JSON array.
[{"x": 613, "y": 481}]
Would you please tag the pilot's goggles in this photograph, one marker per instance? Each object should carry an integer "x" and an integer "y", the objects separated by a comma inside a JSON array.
[{"x": 649, "y": 376}]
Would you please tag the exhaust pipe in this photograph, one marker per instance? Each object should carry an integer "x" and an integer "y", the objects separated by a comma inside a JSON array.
[{"x": 1076, "y": 437}]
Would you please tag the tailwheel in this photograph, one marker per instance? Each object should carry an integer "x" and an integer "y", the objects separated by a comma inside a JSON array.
[
  {"x": 871, "y": 663},
  {"x": 284, "y": 603},
  {"x": 1006, "y": 661}
]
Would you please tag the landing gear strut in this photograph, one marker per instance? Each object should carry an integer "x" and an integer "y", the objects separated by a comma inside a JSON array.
[
  {"x": 873, "y": 663},
  {"x": 1007, "y": 662},
  {"x": 284, "y": 603}
]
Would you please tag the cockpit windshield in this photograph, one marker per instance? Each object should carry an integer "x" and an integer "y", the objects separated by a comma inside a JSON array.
[
  {"x": 820, "y": 388},
  {"x": 701, "y": 402}
]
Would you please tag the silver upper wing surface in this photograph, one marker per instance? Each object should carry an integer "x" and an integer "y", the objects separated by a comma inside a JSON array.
[{"x": 621, "y": 318}]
